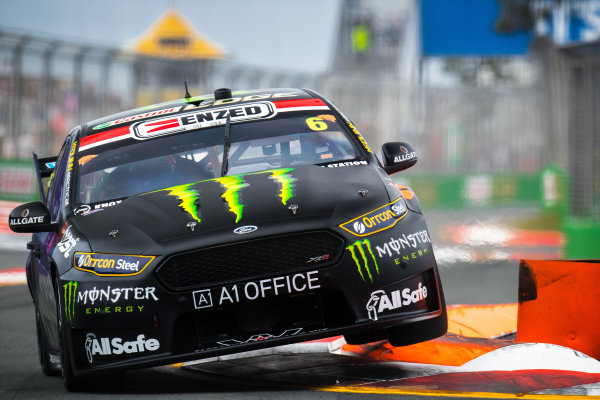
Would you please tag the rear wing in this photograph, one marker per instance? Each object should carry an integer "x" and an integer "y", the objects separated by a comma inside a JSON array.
[{"x": 44, "y": 167}]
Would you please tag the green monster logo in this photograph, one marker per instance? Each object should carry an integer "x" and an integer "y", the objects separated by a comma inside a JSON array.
[
  {"x": 286, "y": 182},
  {"x": 233, "y": 184},
  {"x": 70, "y": 297},
  {"x": 188, "y": 197},
  {"x": 358, "y": 245}
]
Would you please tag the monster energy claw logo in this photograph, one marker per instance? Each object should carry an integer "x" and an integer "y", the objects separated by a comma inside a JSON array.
[
  {"x": 233, "y": 185},
  {"x": 361, "y": 247},
  {"x": 70, "y": 293},
  {"x": 188, "y": 197},
  {"x": 286, "y": 183}
]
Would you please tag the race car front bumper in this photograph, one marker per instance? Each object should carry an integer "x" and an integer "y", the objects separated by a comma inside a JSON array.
[{"x": 179, "y": 309}]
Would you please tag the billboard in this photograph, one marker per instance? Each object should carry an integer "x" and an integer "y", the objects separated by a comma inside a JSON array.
[{"x": 466, "y": 28}]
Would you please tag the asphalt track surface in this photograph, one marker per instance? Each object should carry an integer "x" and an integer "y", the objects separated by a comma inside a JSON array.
[{"x": 491, "y": 282}]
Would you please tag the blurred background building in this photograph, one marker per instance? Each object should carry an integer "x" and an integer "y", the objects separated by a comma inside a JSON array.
[{"x": 499, "y": 97}]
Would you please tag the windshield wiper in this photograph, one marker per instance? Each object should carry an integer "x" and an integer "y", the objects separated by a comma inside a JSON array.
[{"x": 226, "y": 145}]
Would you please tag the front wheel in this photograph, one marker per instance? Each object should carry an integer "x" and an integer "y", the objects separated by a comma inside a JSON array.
[
  {"x": 72, "y": 383},
  {"x": 404, "y": 335}
]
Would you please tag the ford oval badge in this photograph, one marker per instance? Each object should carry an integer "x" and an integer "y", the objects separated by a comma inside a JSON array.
[{"x": 245, "y": 229}]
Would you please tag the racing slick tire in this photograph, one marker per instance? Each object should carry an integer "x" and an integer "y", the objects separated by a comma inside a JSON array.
[
  {"x": 48, "y": 368},
  {"x": 365, "y": 337},
  {"x": 416, "y": 332}
]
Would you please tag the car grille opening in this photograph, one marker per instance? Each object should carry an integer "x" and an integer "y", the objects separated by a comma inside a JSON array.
[{"x": 250, "y": 259}]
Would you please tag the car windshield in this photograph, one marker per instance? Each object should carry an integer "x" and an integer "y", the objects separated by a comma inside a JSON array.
[{"x": 148, "y": 165}]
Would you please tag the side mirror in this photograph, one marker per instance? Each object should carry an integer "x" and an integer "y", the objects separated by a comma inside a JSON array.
[
  {"x": 397, "y": 156},
  {"x": 31, "y": 217}
]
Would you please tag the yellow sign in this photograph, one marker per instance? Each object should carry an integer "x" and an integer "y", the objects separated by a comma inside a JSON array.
[{"x": 173, "y": 36}]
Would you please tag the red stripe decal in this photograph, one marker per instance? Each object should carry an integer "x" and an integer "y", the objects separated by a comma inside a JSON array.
[
  {"x": 299, "y": 103},
  {"x": 98, "y": 137},
  {"x": 161, "y": 125},
  {"x": 168, "y": 121}
]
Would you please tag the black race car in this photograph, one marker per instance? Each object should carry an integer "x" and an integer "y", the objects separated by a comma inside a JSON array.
[{"x": 223, "y": 223}]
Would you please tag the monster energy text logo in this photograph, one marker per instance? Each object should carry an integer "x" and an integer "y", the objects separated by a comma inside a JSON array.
[
  {"x": 363, "y": 261},
  {"x": 233, "y": 184},
  {"x": 70, "y": 296}
]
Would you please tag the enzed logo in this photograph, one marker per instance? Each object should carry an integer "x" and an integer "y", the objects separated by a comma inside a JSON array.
[
  {"x": 363, "y": 262},
  {"x": 202, "y": 119},
  {"x": 70, "y": 297}
]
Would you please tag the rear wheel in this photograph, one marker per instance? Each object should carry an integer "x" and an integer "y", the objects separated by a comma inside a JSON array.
[{"x": 49, "y": 367}]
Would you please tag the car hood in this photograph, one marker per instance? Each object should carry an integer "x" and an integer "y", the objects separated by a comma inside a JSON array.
[{"x": 254, "y": 205}]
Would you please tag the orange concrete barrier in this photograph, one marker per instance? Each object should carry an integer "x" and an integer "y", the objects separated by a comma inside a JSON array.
[
  {"x": 482, "y": 321},
  {"x": 559, "y": 303}
]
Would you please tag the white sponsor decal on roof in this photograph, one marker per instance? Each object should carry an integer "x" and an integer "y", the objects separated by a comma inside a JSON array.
[
  {"x": 197, "y": 119},
  {"x": 202, "y": 119},
  {"x": 149, "y": 114}
]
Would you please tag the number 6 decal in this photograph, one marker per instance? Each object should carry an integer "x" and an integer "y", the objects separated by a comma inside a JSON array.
[{"x": 316, "y": 124}]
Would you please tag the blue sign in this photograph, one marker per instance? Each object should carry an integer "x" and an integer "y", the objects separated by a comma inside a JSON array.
[{"x": 466, "y": 28}]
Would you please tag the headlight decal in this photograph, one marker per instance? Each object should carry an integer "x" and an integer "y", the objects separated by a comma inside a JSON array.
[
  {"x": 377, "y": 220},
  {"x": 111, "y": 264}
]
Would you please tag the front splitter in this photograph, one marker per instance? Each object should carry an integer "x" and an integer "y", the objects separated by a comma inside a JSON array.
[{"x": 450, "y": 366}]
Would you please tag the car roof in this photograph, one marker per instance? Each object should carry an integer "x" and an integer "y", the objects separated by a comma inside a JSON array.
[{"x": 206, "y": 101}]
